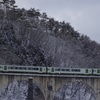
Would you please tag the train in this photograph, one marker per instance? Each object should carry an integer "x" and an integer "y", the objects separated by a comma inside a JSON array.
[{"x": 48, "y": 70}]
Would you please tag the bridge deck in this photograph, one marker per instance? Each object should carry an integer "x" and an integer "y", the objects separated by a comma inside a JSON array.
[{"x": 51, "y": 75}]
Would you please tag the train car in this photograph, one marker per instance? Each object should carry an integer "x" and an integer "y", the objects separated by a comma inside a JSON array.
[
  {"x": 96, "y": 71},
  {"x": 24, "y": 69},
  {"x": 1, "y": 68},
  {"x": 63, "y": 70},
  {"x": 49, "y": 70}
]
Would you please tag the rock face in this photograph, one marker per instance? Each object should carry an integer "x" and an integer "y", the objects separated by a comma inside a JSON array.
[
  {"x": 19, "y": 91},
  {"x": 75, "y": 91},
  {"x": 14, "y": 47},
  {"x": 23, "y": 45},
  {"x": 59, "y": 52}
]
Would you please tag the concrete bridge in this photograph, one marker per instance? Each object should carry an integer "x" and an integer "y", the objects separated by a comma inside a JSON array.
[{"x": 49, "y": 84}]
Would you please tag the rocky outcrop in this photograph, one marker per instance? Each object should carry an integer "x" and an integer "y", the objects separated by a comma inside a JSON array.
[
  {"x": 18, "y": 90},
  {"x": 75, "y": 91}
]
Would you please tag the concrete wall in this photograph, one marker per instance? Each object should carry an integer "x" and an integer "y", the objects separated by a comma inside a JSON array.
[{"x": 50, "y": 85}]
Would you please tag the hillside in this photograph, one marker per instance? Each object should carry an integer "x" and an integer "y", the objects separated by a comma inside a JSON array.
[{"x": 28, "y": 37}]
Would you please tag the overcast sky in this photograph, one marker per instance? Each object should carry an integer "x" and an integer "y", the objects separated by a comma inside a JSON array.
[{"x": 83, "y": 15}]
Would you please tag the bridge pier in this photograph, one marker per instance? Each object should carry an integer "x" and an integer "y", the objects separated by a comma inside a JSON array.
[{"x": 30, "y": 89}]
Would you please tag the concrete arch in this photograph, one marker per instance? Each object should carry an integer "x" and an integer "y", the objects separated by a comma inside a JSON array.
[
  {"x": 15, "y": 88},
  {"x": 41, "y": 89},
  {"x": 76, "y": 90}
]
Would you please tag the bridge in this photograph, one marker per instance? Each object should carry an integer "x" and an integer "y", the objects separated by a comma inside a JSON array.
[{"x": 50, "y": 84}]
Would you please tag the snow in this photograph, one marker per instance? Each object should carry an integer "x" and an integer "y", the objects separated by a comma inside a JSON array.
[
  {"x": 75, "y": 91},
  {"x": 18, "y": 90},
  {"x": 15, "y": 91}
]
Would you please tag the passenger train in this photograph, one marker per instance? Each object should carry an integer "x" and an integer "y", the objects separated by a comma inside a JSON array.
[{"x": 48, "y": 70}]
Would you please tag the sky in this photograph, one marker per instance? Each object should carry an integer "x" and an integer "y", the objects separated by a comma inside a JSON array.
[{"x": 83, "y": 15}]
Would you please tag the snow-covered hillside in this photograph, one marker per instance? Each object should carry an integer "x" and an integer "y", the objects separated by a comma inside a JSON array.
[{"x": 28, "y": 37}]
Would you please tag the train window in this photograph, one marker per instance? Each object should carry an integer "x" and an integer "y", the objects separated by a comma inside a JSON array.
[
  {"x": 58, "y": 69},
  {"x": 11, "y": 67},
  {"x": 67, "y": 69},
  {"x": 29, "y": 68},
  {"x": 16, "y": 67},
  {"x": 1, "y": 67},
  {"x": 63, "y": 69},
  {"x": 52, "y": 69},
  {"x": 24, "y": 68},
  {"x": 76, "y": 70},
  {"x": 98, "y": 71},
  {"x": 20, "y": 68},
  {"x": 40, "y": 69},
  {"x": 86, "y": 70},
  {"x": 34, "y": 68},
  {"x": 5, "y": 67}
]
